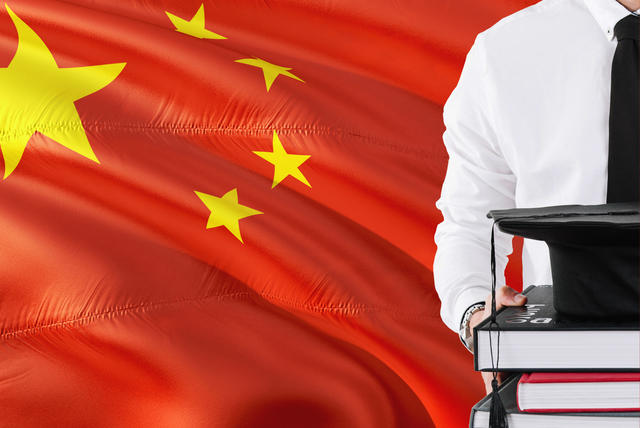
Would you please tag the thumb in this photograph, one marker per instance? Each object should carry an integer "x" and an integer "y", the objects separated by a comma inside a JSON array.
[{"x": 510, "y": 297}]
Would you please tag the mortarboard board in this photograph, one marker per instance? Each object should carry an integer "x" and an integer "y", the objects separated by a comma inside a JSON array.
[
  {"x": 594, "y": 254},
  {"x": 594, "y": 265}
]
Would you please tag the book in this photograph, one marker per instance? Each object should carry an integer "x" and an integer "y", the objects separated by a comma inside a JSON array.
[
  {"x": 578, "y": 392},
  {"x": 535, "y": 338},
  {"x": 517, "y": 419}
]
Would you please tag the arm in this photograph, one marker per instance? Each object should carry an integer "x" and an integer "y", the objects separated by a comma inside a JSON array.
[{"x": 478, "y": 179}]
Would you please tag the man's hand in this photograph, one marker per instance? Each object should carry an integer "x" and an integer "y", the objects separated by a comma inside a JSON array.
[{"x": 505, "y": 296}]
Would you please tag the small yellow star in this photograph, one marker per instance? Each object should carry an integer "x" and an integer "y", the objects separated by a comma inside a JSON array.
[
  {"x": 285, "y": 164},
  {"x": 39, "y": 96},
  {"x": 226, "y": 211},
  {"x": 195, "y": 26},
  {"x": 270, "y": 71}
]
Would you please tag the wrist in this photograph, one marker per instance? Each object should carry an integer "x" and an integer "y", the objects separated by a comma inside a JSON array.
[
  {"x": 464, "y": 299},
  {"x": 465, "y": 331}
]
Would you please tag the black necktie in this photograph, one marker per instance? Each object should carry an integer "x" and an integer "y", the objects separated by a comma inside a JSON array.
[{"x": 624, "y": 116}]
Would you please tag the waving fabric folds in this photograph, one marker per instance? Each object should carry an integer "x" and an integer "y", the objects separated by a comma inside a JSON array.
[{"x": 220, "y": 214}]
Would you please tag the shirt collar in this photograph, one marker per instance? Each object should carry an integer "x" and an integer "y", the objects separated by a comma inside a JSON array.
[{"x": 607, "y": 13}]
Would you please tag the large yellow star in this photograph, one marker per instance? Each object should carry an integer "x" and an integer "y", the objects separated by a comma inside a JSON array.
[
  {"x": 226, "y": 211},
  {"x": 195, "y": 26},
  {"x": 285, "y": 164},
  {"x": 270, "y": 71},
  {"x": 38, "y": 96}
]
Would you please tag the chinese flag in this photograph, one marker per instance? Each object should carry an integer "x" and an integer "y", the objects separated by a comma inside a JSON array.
[{"x": 221, "y": 214}]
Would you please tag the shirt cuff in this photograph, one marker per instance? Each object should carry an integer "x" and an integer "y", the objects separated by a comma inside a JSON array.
[{"x": 468, "y": 297}]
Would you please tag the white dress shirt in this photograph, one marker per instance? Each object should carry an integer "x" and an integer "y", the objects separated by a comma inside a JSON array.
[{"x": 526, "y": 126}]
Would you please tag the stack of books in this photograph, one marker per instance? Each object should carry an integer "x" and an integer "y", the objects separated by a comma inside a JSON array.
[{"x": 563, "y": 373}]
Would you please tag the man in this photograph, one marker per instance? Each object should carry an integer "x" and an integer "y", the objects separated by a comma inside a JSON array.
[{"x": 527, "y": 125}]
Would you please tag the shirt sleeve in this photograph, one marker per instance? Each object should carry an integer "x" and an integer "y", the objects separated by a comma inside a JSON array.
[{"x": 478, "y": 179}]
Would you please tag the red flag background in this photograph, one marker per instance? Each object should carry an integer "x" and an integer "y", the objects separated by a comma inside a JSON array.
[{"x": 118, "y": 307}]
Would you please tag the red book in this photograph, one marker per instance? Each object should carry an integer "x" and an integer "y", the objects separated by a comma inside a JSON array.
[{"x": 579, "y": 392}]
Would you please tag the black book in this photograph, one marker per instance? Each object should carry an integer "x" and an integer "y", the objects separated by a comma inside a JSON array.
[
  {"x": 518, "y": 419},
  {"x": 536, "y": 338}
]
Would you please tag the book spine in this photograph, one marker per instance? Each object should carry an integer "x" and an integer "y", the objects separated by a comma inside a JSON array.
[
  {"x": 523, "y": 377},
  {"x": 475, "y": 349},
  {"x": 473, "y": 415}
]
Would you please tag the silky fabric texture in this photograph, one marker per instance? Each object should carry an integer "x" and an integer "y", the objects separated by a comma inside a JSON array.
[{"x": 118, "y": 307}]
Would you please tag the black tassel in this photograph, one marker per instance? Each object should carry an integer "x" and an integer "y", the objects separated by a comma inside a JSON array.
[{"x": 497, "y": 413}]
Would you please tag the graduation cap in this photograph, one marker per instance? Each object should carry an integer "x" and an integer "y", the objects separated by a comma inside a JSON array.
[
  {"x": 594, "y": 254},
  {"x": 594, "y": 265}
]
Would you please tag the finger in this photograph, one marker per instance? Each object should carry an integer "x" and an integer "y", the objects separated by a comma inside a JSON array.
[
  {"x": 487, "y": 387},
  {"x": 499, "y": 303},
  {"x": 507, "y": 296},
  {"x": 487, "y": 377}
]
